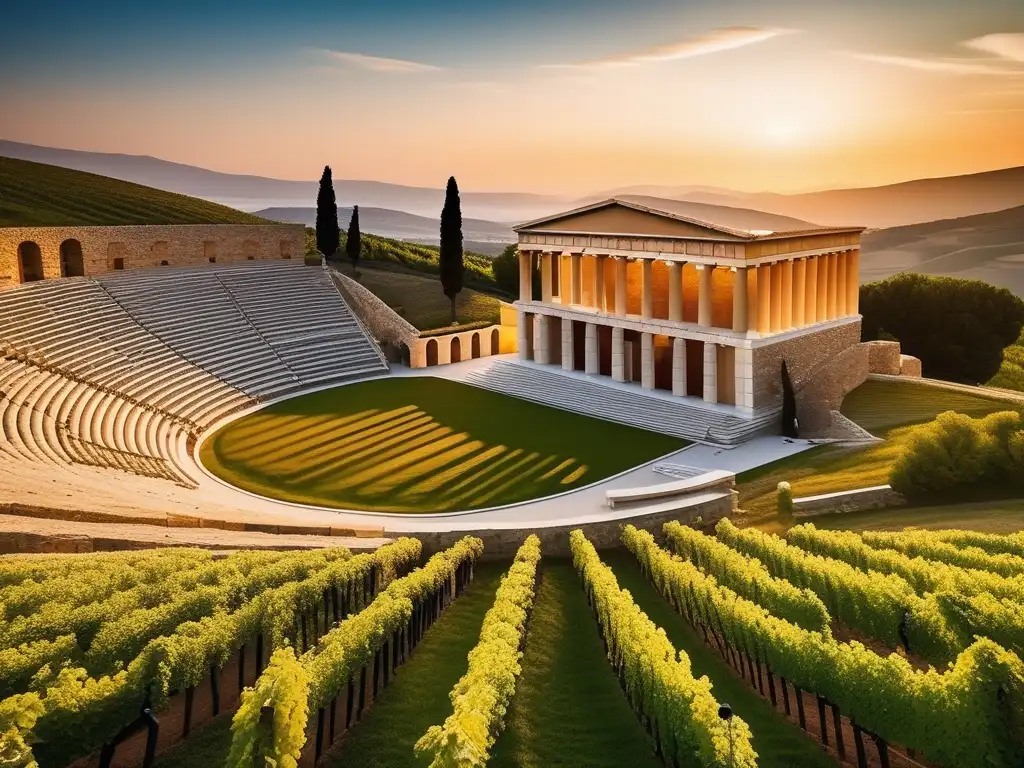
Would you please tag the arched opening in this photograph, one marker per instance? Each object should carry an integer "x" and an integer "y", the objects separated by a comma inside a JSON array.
[
  {"x": 495, "y": 342},
  {"x": 432, "y": 352},
  {"x": 71, "y": 262},
  {"x": 30, "y": 262},
  {"x": 115, "y": 255},
  {"x": 403, "y": 353},
  {"x": 250, "y": 249},
  {"x": 456, "y": 350},
  {"x": 164, "y": 263},
  {"x": 475, "y": 346}
]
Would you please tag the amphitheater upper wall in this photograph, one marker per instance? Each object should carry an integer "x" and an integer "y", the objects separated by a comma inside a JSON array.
[{"x": 24, "y": 250}]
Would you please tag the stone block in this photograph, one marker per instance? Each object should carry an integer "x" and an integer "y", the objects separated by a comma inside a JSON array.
[
  {"x": 910, "y": 366},
  {"x": 884, "y": 357}
]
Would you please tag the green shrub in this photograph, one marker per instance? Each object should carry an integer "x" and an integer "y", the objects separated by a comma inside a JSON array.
[{"x": 956, "y": 455}]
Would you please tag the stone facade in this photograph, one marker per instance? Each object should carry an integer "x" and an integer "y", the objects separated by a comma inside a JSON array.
[
  {"x": 910, "y": 367},
  {"x": 858, "y": 500},
  {"x": 884, "y": 357},
  {"x": 605, "y": 534},
  {"x": 806, "y": 355},
  {"x": 455, "y": 347},
  {"x": 104, "y": 249}
]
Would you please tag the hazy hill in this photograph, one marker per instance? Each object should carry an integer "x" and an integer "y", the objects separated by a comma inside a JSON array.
[
  {"x": 399, "y": 224},
  {"x": 911, "y": 202},
  {"x": 255, "y": 192},
  {"x": 987, "y": 246},
  {"x": 34, "y": 194}
]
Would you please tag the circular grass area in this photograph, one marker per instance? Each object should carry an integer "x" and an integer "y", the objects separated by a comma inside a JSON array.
[{"x": 420, "y": 445}]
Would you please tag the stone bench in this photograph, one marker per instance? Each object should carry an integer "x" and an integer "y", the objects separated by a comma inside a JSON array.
[{"x": 716, "y": 478}]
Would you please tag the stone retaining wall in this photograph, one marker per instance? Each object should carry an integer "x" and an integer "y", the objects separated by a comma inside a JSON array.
[
  {"x": 386, "y": 325},
  {"x": 137, "y": 246},
  {"x": 858, "y": 500}
]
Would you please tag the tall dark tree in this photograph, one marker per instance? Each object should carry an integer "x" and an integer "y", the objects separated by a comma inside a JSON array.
[
  {"x": 328, "y": 234},
  {"x": 450, "y": 258},
  {"x": 353, "y": 242},
  {"x": 790, "y": 425}
]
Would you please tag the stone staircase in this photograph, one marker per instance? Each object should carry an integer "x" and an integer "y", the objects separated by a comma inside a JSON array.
[{"x": 685, "y": 418}]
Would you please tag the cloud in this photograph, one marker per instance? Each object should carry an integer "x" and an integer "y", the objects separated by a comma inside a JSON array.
[
  {"x": 1008, "y": 45},
  {"x": 724, "y": 39},
  {"x": 381, "y": 64},
  {"x": 944, "y": 66}
]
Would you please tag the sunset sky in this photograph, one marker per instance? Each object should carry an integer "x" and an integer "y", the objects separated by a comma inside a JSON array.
[{"x": 557, "y": 96}]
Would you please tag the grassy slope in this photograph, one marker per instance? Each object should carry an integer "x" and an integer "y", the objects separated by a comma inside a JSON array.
[
  {"x": 421, "y": 445},
  {"x": 984, "y": 516},
  {"x": 1011, "y": 372},
  {"x": 887, "y": 409},
  {"x": 568, "y": 709},
  {"x": 34, "y": 194},
  {"x": 779, "y": 744},
  {"x": 418, "y": 697},
  {"x": 420, "y": 300}
]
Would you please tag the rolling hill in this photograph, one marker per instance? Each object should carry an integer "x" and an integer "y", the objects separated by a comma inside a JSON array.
[
  {"x": 252, "y": 193},
  {"x": 33, "y": 194},
  {"x": 988, "y": 246},
  {"x": 404, "y": 226}
]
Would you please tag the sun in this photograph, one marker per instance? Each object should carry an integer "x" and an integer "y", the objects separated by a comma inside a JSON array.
[{"x": 784, "y": 132}]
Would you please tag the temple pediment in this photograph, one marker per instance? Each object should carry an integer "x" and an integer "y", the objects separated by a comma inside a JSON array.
[{"x": 617, "y": 218}]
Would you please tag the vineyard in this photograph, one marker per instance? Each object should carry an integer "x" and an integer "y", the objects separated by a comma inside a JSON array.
[{"x": 831, "y": 648}]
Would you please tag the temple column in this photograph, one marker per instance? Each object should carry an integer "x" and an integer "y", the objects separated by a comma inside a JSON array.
[
  {"x": 841, "y": 291},
  {"x": 776, "y": 312},
  {"x": 753, "y": 307},
  {"x": 647, "y": 360},
  {"x": 577, "y": 278},
  {"x": 591, "y": 364},
  {"x": 597, "y": 289},
  {"x": 568, "y": 358},
  {"x": 618, "y": 355},
  {"x": 524, "y": 335},
  {"x": 525, "y": 282},
  {"x": 647, "y": 306},
  {"x": 704, "y": 311},
  {"x": 540, "y": 339},
  {"x": 787, "y": 294},
  {"x": 799, "y": 292},
  {"x": 620, "y": 286},
  {"x": 675, "y": 291},
  {"x": 853, "y": 282},
  {"x": 764, "y": 299},
  {"x": 710, "y": 372},
  {"x": 545, "y": 277},
  {"x": 679, "y": 367},
  {"x": 740, "y": 319},
  {"x": 833, "y": 285},
  {"x": 821, "y": 312},
  {"x": 745, "y": 378},
  {"x": 811, "y": 296}
]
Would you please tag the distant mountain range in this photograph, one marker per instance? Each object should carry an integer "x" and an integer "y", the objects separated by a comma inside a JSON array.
[
  {"x": 987, "y": 246},
  {"x": 910, "y": 202},
  {"x": 481, "y": 236}
]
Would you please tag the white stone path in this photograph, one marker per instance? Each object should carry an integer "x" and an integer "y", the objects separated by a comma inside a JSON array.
[{"x": 580, "y": 506}]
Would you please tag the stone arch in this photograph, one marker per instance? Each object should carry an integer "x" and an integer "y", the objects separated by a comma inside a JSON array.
[
  {"x": 159, "y": 251},
  {"x": 456, "y": 356},
  {"x": 431, "y": 352},
  {"x": 164, "y": 263},
  {"x": 474, "y": 346},
  {"x": 495, "y": 342},
  {"x": 30, "y": 262},
  {"x": 72, "y": 263},
  {"x": 286, "y": 249},
  {"x": 250, "y": 249},
  {"x": 404, "y": 354}
]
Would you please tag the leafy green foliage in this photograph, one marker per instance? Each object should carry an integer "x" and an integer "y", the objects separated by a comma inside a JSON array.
[
  {"x": 482, "y": 696},
  {"x": 931, "y": 545},
  {"x": 658, "y": 681},
  {"x": 39, "y": 195},
  {"x": 961, "y": 717},
  {"x": 749, "y": 578},
  {"x": 1011, "y": 372},
  {"x": 958, "y": 328}
]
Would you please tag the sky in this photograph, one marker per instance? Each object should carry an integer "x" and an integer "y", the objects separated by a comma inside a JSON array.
[{"x": 551, "y": 96}]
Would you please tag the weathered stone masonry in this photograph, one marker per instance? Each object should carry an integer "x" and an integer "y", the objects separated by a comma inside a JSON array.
[{"x": 104, "y": 249}]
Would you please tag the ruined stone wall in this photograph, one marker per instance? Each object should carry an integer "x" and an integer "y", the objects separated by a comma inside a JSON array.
[
  {"x": 384, "y": 323},
  {"x": 805, "y": 355},
  {"x": 884, "y": 357},
  {"x": 149, "y": 245}
]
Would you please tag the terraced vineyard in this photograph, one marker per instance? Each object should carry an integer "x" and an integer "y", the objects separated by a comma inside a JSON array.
[{"x": 830, "y": 647}]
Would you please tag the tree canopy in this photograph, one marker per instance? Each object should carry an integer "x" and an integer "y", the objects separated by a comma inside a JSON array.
[
  {"x": 450, "y": 256},
  {"x": 957, "y": 327},
  {"x": 327, "y": 232}
]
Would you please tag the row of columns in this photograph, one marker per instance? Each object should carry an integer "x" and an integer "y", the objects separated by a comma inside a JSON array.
[
  {"x": 787, "y": 294},
  {"x": 565, "y": 357}
]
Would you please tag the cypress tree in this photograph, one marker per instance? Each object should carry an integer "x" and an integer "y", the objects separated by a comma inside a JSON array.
[
  {"x": 353, "y": 242},
  {"x": 328, "y": 234},
  {"x": 790, "y": 425},
  {"x": 450, "y": 258}
]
